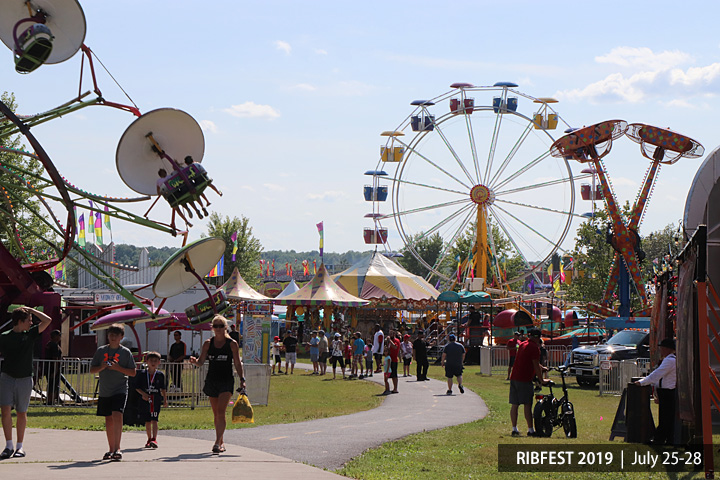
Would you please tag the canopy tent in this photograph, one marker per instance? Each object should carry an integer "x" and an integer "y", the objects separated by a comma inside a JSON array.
[
  {"x": 464, "y": 296},
  {"x": 321, "y": 290},
  {"x": 385, "y": 283},
  {"x": 291, "y": 287},
  {"x": 237, "y": 289}
]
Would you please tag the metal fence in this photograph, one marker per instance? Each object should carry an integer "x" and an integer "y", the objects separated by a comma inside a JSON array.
[
  {"x": 496, "y": 359},
  {"x": 69, "y": 383},
  {"x": 616, "y": 374}
]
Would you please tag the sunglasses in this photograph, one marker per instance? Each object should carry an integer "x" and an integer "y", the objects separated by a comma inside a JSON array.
[{"x": 219, "y": 326}]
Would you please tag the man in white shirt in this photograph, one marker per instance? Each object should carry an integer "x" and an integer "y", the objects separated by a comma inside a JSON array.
[
  {"x": 378, "y": 346},
  {"x": 664, "y": 379}
]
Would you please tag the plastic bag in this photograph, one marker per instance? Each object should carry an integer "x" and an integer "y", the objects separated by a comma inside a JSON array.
[{"x": 242, "y": 411}]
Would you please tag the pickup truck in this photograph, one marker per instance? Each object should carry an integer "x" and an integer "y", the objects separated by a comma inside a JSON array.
[{"x": 624, "y": 345}]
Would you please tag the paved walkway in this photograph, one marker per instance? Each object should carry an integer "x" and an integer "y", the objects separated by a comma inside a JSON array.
[
  {"x": 331, "y": 442},
  {"x": 273, "y": 451}
]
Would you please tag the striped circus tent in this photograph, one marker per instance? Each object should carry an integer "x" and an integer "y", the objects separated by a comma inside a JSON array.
[
  {"x": 321, "y": 290},
  {"x": 379, "y": 278},
  {"x": 237, "y": 289}
]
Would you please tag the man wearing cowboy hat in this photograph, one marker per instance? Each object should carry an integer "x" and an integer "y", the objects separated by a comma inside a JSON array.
[{"x": 664, "y": 379}]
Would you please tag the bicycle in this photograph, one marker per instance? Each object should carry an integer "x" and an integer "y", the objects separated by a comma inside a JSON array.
[{"x": 551, "y": 412}]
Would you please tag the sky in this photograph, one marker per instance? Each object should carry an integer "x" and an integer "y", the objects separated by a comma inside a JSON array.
[{"x": 292, "y": 96}]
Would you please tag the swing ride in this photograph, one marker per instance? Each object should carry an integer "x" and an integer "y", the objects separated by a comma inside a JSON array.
[{"x": 41, "y": 32}]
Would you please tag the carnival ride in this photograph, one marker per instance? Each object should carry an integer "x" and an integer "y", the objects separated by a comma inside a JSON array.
[
  {"x": 661, "y": 146},
  {"x": 470, "y": 159},
  {"x": 52, "y": 31}
]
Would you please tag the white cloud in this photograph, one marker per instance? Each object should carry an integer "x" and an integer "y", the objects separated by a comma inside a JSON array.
[
  {"x": 208, "y": 126},
  {"x": 283, "y": 46},
  {"x": 252, "y": 110},
  {"x": 274, "y": 187},
  {"x": 320, "y": 51},
  {"x": 305, "y": 87},
  {"x": 643, "y": 57},
  {"x": 330, "y": 195},
  {"x": 696, "y": 76}
]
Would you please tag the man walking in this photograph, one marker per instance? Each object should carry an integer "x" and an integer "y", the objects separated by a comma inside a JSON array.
[
  {"x": 453, "y": 358},
  {"x": 420, "y": 357},
  {"x": 16, "y": 379}
]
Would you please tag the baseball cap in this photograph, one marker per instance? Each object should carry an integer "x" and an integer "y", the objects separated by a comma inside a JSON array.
[
  {"x": 451, "y": 337},
  {"x": 321, "y": 332},
  {"x": 406, "y": 336},
  {"x": 337, "y": 334},
  {"x": 277, "y": 338},
  {"x": 534, "y": 332}
]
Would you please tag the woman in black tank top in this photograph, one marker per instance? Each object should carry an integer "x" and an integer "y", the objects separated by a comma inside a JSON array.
[{"x": 222, "y": 352}]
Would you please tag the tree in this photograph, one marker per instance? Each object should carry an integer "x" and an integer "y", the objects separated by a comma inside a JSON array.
[
  {"x": 22, "y": 232},
  {"x": 249, "y": 248},
  {"x": 657, "y": 245},
  {"x": 428, "y": 248}
]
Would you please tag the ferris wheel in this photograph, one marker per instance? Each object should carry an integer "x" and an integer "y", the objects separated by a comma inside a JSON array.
[{"x": 471, "y": 158}]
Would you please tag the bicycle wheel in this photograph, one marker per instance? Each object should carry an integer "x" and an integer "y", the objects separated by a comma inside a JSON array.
[
  {"x": 568, "y": 421},
  {"x": 542, "y": 419}
]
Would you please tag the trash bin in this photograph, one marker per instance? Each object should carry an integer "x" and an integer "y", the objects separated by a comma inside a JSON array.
[{"x": 638, "y": 417}]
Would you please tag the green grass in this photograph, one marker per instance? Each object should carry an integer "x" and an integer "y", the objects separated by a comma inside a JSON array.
[
  {"x": 293, "y": 398},
  {"x": 470, "y": 450}
]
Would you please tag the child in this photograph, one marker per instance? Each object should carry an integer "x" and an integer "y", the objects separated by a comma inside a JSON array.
[
  {"x": 368, "y": 360},
  {"x": 386, "y": 369},
  {"x": 358, "y": 348},
  {"x": 276, "y": 346},
  {"x": 407, "y": 353},
  {"x": 314, "y": 352},
  {"x": 152, "y": 387},
  {"x": 348, "y": 351},
  {"x": 114, "y": 364}
]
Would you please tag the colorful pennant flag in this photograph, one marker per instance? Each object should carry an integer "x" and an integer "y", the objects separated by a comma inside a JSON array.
[
  {"x": 81, "y": 229},
  {"x": 532, "y": 285},
  {"x": 306, "y": 267},
  {"x": 562, "y": 272},
  {"x": 234, "y": 237},
  {"x": 98, "y": 229},
  {"x": 314, "y": 267},
  {"x": 273, "y": 266},
  {"x": 322, "y": 237},
  {"x": 219, "y": 269},
  {"x": 107, "y": 219}
]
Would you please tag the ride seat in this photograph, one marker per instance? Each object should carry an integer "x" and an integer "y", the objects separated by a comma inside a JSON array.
[{"x": 178, "y": 192}]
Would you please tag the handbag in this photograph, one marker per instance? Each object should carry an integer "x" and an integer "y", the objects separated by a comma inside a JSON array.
[{"x": 242, "y": 411}]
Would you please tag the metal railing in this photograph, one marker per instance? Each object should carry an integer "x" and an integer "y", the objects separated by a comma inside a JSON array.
[
  {"x": 495, "y": 360},
  {"x": 616, "y": 374},
  {"x": 69, "y": 383}
]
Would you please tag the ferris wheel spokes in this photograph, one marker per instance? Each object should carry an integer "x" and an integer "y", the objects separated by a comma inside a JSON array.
[
  {"x": 541, "y": 185},
  {"x": 525, "y": 224},
  {"x": 454, "y": 154},
  {"x": 533, "y": 163},
  {"x": 473, "y": 146},
  {"x": 447, "y": 248},
  {"x": 511, "y": 154},
  {"x": 414, "y": 150},
  {"x": 425, "y": 209},
  {"x": 402, "y": 180},
  {"x": 529, "y": 268},
  {"x": 440, "y": 224}
]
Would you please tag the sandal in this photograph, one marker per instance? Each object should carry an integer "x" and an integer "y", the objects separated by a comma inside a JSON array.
[
  {"x": 222, "y": 448},
  {"x": 117, "y": 456},
  {"x": 19, "y": 453},
  {"x": 216, "y": 449},
  {"x": 108, "y": 456}
]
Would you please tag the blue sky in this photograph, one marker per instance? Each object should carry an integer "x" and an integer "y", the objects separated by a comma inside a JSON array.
[{"x": 292, "y": 96}]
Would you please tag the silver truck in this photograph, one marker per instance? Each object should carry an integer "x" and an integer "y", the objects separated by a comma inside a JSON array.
[{"x": 624, "y": 345}]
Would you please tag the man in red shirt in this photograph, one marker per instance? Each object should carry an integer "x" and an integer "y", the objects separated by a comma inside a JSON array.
[
  {"x": 512, "y": 345},
  {"x": 526, "y": 367},
  {"x": 394, "y": 346}
]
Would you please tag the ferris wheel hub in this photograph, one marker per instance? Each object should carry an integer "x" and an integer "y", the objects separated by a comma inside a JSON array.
[{"x": 482, "y": 195}]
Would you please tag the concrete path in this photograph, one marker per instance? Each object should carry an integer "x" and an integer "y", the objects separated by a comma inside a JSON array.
[{"x": 331, "y": 442}]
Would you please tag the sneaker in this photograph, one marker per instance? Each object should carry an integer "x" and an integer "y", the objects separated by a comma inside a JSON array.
[
  {"x": 386, "y": 392},
  {"x": 19, "y": 453},
  {"x": 7, "y": 453},
  {"x": 449, "y": 392},
  {"x": 515, "y": 433},
  {"x": 148, "y": 444},
  {"x": 533, "y": 434},
  {"x": 462, "y": 390},
  {"x": 153, "y": 443},
  {"x": 361, "y": 377}
]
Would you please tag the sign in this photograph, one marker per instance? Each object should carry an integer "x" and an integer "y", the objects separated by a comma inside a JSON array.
[
  {"x": 259, "y": 308},
  {"x": 109, "y": 299},
  {"x": 605, "y": 365}
]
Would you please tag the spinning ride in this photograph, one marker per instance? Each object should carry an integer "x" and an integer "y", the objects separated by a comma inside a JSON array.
[
  {"x": 661, "y": 146},
  {"x": 469, "y": 158}
]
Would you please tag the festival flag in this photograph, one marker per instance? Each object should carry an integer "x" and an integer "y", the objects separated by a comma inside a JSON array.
[
  {"x": 233, "y": 237},
  {"x": 90, "y": 219},
  {"x": 267, "y": 268},
  {"x": 457, "y": 258},
  {"x": 287, "y": 269},
  {"x": 306, "y": 267},
  {"x": 273, "y": 265},
  {"x": 562, "y": 272},
  {"x": 532, "y": 284},
  {"x": 219, "y": 269},
  {"x": 98, "y": 229},
  {"x": 322, "y": 237},
  {"x": 262, "y": 264},
  {"x": 107, "y": 218},
  {"x": 81, "y": 234},
  {"x": 314, "y": 267}
]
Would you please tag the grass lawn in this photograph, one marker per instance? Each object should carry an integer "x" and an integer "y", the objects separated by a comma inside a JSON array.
[
  {"x": 470, "y": 450},
  {"x": 293, "y": 398}
]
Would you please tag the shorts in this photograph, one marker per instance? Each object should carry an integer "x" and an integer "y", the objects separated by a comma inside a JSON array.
[
  {"x": 521, "y": 393},
  {"x": 512, "y": 361},
  {"x": 387, "y": 375},
  {"x": 278, "y": 359},
  {"x": 407, "y": 361},
  {"x": 368, "y": 363},
  {"x": 358, "y": 359},
  {"x": 324, "y": 356},
  {"x": 335, "y": 360},
  {"x": 144, "y": 413},
  {"x": 107, "y": 405},
  {"x": 453, "y": 371},
  {"x": 213, "y": 388},
  {"x": 15, "y": 391},
  {"x": 290, "y": 357},
  {"x": 314, "y": 357},
  {"x": 393, "y": 369}
]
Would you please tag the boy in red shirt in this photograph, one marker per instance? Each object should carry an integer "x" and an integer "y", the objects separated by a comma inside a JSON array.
[
  {"x": 394, "y": 349},
  {"x": 526, "y": 367}
]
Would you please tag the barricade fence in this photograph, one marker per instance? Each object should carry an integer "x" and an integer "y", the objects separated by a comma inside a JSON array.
[
  {"x": 495, "y": 360},
  {"x": 616, "y": 374},
  {"x": 69, "y": 383}
]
